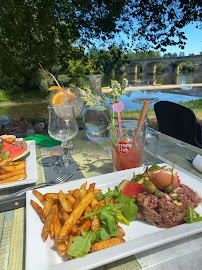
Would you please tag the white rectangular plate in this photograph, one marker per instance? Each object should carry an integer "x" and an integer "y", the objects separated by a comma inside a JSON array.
[
  {"x": 31, "y": 168},
  {"x": 140, "y": 236}
]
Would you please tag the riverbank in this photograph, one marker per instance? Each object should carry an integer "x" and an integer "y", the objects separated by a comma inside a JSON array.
[
  {"x": 27, "y": 102},
  {"x": 156, "y": 87}
]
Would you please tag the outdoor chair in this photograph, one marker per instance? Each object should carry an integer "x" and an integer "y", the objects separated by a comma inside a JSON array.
[{"x": 178, "y": 121}]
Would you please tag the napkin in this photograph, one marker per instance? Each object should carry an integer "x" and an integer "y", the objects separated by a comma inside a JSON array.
[
  {"x": 42, "y": 140},
  {"x": 197, "y": 162}
]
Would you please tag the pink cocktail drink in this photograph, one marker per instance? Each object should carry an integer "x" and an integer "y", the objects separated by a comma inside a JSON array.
[
  {"x": 130, "y": 158},
  {"x": 128, "y": 149}
]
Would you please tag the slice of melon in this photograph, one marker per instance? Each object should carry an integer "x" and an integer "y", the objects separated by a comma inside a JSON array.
[
  {"x": 16, "y": 153},
  {"x": 130, "y": 189},
  {"x": 21, "y": 157}
]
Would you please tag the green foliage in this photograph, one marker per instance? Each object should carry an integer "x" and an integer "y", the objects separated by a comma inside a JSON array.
[
  {"x": 186, "y": 66},
  {"x": 55, "y": 34}
]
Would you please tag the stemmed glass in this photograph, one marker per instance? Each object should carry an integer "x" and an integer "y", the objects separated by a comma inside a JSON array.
[{"x": 62, "y": 126}]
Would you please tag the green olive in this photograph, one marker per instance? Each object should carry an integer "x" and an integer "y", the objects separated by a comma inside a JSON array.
[
  {"x": 169, "y": 188},
  {"x": 177, "y": 198},
  {"x": 149, "y": 186},
  {"x": 159, "y": 193}
]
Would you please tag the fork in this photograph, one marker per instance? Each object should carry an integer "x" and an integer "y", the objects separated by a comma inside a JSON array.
[
  {"x": 192, "y": 157},
  {"x": 59, "y": 180}
]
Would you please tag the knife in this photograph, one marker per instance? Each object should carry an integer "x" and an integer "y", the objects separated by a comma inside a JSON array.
[{"x": 12, "y": 203}]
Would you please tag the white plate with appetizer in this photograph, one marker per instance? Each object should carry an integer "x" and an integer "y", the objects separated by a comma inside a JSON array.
[
  {"x": 18, "y": 163},
  {"x": 145, "y": 232}
]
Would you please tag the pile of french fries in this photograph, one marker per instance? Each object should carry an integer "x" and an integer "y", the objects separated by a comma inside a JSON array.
[
  {"x": 62, "y": 215},
  {"x": 12, "y": 171}
]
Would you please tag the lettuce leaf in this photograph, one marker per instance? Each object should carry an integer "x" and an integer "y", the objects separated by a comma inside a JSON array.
[
  {"x": 193, "y": 216},
  {"x": 130, "y": 210},
  {"x": 82, "y": 244},
  {"x": 5, "y": 155}
]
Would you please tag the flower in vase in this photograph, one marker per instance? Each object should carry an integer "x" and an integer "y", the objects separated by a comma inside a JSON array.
[{"x": 117, "y": 91}]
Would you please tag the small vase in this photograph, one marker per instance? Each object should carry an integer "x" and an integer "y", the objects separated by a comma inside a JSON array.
[{"x": 96, "y": 118}]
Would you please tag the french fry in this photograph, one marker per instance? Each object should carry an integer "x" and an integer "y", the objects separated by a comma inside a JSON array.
[
  {"x": 77, "y": 193},
  {"x": 83, "y": 189},
  {"x": 102, "y": 202},
  {"x": 70, "y": 198},
  {"x": 39, "y": 196},
  {"x": 11, "y": 174},
  {"x": 86, "y": 227},
  {"x": 62, "y": 247},
  {"x": 51, "y": 231},
  {"x": 78, "y": 200},
  {"x": 106, "y": 243},
  {"x": 75, "y": 215},
  {"x": 97, "y": 191},
  {"x": 56, "y": 222},
  {"x": 47, "y": 206},
  {"x": 47, "y": 224},
  {"x": 88, "y": 209},
  {"x": 71, "y": 239},
  {"x": 65, "y": 204},
  {"x": 95, "y": 225},
  {"x": 121, "y": 232},
  {"x": 39, "y": 210},
  {"x": 13, "y": 178},
  {"x": 5, "y": 162},
  {"x": 74, "y": 230},
  {"x": 93, "y": 203},
  {"x": 54, "y": 196},
  {"x": 110, "y": 200},
  {"x": 91, "y": 188},
  {"x": 65, "y": 217},
  {"x": 14, "y": 166}
]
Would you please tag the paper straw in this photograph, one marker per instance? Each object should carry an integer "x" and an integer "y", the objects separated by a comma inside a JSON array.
[
  {"x": 46, "y": 73},
  {"x": 141, "y": 118}
]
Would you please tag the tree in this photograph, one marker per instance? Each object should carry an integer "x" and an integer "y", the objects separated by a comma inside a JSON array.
[{"x": 55, "y": 32}]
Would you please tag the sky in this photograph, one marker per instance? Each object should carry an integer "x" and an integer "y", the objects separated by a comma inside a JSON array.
[{"x": 194, "y": 41}]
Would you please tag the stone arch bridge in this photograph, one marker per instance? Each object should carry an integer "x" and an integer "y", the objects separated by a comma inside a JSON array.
[{"x": 171, "y": 65}]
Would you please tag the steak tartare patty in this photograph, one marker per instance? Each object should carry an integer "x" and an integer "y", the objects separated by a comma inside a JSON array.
[
  {"x": 169, "y": 210},
  {"x": 20, "y": 144}
]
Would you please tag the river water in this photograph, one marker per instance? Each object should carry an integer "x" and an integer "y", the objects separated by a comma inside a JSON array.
[{"x": 39, "y": 111}]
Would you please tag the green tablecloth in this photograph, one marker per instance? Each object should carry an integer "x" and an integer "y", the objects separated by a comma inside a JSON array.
[{"x": 93, "y": 160}]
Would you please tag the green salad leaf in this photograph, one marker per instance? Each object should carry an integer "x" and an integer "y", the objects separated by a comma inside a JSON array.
[
  {"x": 193, "y": 216},
  {"x": 104, "y": 233},
  {"x": 82, "y": 244},
  {"x": 111, "y": 193},
  {"x": 122, "y": 199},
  {"x": 5, "y": 155},
  {"x": 138, "y": 177},
  {"x": 130, "y": 210},
  {"x": 153, "y": 167}
]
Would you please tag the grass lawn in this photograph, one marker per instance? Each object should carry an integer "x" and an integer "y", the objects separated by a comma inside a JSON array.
[{"x": 195, "y": 106}]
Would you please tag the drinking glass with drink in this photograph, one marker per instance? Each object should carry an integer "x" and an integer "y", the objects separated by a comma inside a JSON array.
[{"x": 127, "y": 148}]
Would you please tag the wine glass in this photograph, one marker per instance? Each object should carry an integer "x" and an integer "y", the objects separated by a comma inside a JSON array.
[
  {"x": 78, "y": 107},
  {"x": 62, "y": 126}
]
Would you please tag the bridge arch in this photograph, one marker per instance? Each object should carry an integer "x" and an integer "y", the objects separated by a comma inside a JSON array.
[{"x": 171, "y": 65}]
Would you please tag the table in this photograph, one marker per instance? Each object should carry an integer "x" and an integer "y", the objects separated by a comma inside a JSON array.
[{"x": 93, "y": 160}]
